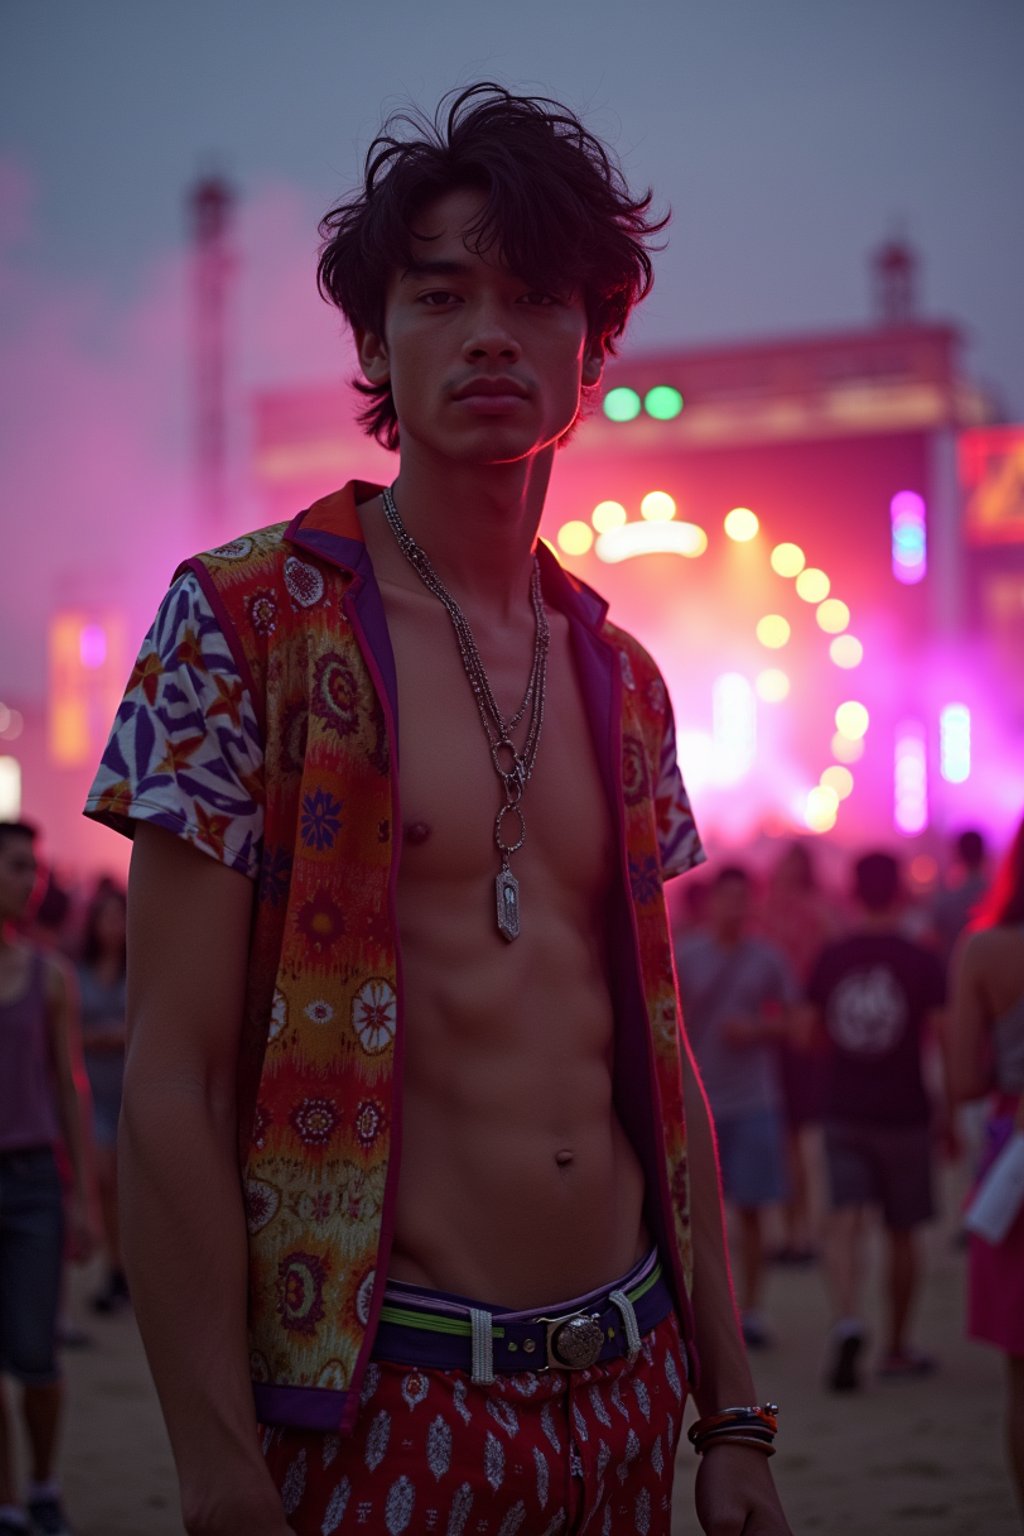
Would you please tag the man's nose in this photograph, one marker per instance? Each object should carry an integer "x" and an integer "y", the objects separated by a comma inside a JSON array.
[{"x": 490, "y": 335}]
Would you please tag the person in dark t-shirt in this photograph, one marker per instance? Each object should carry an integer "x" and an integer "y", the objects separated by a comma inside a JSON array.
[{"x": 874, "y": 995}]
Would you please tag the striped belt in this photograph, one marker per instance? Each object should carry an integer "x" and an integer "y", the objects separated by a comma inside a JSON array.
[{"x": 449, "y": 1333}]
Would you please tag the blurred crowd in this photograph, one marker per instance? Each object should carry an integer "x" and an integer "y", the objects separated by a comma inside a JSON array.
[{"x": 849, "y": 1035}]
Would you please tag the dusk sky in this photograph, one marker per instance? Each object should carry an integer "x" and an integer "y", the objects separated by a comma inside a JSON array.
[{"x": 789, "y": 137}]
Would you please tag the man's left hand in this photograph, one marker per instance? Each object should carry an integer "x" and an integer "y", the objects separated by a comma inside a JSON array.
[{"x": 736, "y": 1494}]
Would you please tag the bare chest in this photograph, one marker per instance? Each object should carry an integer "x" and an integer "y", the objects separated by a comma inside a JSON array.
[{"x": 451, "y": 793}]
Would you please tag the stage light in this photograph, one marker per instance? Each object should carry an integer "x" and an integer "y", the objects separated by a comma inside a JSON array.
[
  {"x": 12, "y": 723},
  {"x": 787, "y": 559},
  {"x": 845, "y": 749},
  {"x": 910, "y": 779},
  {"x": 10, "y": 789},
  {"x": 575, "y": 537},
  {"x": 838, "y": 779},
  {"x": 634, "y": 539},
  {"x": 663, "y": 402},
  {"x": 734, "y": 718},
  {"x": 657, "y": 507},
  {"x": 608, "y": 514},
  {"x": 821, "y": 808},
  {"x": 772, "y": 685},
  {"x": 741, "y": 525},
  {"x": 92, "y": 646},
  {"x": 955, "y": 743},
  {"x": 812, "y": 585},
  {"x": 907, "y": 514},
  {"x": 773, "y": 631},
  {"x": 846, "y": 651},
  {"x": 852, "y": 720},
  {"x": 621, "y": 405},
  {"x": 832, "y": 616},
  {"x": 696, "y": 753}
]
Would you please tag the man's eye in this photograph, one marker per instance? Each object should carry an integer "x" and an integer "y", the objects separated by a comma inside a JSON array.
[
  {"x": 438, "y": 298},
  {"x": 537, "y": 297}
]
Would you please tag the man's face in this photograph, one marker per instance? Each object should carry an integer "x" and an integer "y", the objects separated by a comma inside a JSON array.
[
  {"x": 482, "y": 366},
  {"x": 17, "y": 876},
  {"x": 730, "y": 904}
]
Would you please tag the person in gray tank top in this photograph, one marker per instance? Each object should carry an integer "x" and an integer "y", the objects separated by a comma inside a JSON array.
[{"x": 39, "y": 1107}]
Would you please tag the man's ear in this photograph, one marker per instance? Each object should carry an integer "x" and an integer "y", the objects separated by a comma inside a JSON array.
[
  {"x": 593, "y": 363},
  {"x": 373, "y": 356}
]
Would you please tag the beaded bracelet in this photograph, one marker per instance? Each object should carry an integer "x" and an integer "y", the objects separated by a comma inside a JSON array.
[{"x": 756, "y": 1425}]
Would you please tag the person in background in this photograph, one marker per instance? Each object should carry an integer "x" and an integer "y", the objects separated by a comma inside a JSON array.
[
  {"x": 39, "y": 1107},
  {"x": 964, "y": 887},
  {"x": 871, "y": 997},
  {"x": 985, "y": 1057},
  {"x": 101, "y": 992},
  {"x": 795, "y": 916},
  {"x": 738, "y": 994}
]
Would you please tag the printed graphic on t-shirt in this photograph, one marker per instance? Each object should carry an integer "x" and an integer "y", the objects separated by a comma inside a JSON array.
[{"x": 867, "y": 1012}]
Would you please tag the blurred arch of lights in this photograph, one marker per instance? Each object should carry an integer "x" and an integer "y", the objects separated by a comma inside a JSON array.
[
  {"x": 663, "y": 402},
  {"x": 633, "y": 539},
  {"x": 910, "y": 779},
  {"x": 608, "y": 514},
  {"x": 812, "y": 585},
  {"x": 658, "y": 507},
  {"x": 955, "y": 743},
  {"x": 846, "y": 651},
  {"x": 846, "y": 749},
  {"x": 773, "y": 631},
  {"x": 772, "y": 685},
  {"x": 621, "y": 405},
  {"x": 741, "y": 525},
  {"x": 575, "y": 537},
  {"x": 821, "y": 808},
  {"x": 10, "y": 789},
  {"x": 787, "y": 559},
  {"x": 839, "y": 779},
  {"x": 852, "y": 719},
  {"x": 833, "y": 616}
]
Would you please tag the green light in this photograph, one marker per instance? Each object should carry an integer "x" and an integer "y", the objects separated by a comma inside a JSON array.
[
  {"x": 622, "y": 404},
  {"x": 663, "y": 402}
]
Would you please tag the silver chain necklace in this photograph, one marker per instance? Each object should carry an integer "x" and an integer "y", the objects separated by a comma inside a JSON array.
[{"x": 512, "y": 767}]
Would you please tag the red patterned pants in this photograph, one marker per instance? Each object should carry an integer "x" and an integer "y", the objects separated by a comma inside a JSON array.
[{"x": 541, "y": 1453}]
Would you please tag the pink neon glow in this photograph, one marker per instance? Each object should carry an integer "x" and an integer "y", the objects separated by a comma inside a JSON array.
[
  {"x": 92, "y": 646},
  {"x": 910, "y": 786}
]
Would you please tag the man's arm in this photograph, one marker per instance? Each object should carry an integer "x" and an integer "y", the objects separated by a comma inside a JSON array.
[
  {"x": 182, "y": 1205},
  {"x": 735, "y": 1490},
  {"x": 966, "y": 1033}
]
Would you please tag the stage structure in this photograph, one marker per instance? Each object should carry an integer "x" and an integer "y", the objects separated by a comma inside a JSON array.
[{"x": 781, "y": 523}]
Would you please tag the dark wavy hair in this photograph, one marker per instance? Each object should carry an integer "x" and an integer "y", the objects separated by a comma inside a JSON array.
[
  {"x": 91, "y": 949},
  {"x": 557, "y": 209}
]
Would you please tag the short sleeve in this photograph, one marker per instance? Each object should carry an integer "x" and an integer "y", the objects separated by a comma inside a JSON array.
[
  {"x": 185, "y": 751},
  {"x": 678, "y": 838}
]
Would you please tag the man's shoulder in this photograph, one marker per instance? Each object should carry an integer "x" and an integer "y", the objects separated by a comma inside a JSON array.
[{"x": 247, "y": 549}]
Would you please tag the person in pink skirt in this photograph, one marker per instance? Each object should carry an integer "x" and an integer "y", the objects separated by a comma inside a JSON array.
[{"x": 986, "y": 1056}]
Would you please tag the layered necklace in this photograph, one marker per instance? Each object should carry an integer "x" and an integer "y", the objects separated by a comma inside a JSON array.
[{"x": 512, "y": 767}]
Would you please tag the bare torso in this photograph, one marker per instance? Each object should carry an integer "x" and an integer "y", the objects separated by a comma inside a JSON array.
[{"x": 518, "y": 1185}]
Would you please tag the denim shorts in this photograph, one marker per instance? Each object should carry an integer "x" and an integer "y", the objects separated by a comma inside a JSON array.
[
  {"x": 752, "y": 1155},
  {"x": 31, "y": 1256}
]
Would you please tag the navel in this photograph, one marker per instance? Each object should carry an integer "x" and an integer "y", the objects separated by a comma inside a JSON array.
[
  {"x": 417, "y": 832},
  {"x": 564, "y": 1158}
]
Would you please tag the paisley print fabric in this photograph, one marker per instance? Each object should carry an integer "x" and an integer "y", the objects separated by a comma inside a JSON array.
[
  {"x": 185, "y": 750},
  {"x": 540, "y": 1454}
]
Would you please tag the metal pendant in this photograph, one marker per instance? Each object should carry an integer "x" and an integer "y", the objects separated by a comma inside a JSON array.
[{"x": 506, "y": 889}]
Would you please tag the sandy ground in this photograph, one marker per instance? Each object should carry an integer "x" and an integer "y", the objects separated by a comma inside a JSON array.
[{"x": 919, "y": 1456}]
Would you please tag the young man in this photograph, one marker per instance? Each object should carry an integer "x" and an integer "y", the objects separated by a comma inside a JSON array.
[
  {"x": 874, "y": 993},
  {"x": 738, "y": 995},
  {"x": 39, "y": 1107},
  {"x": 421, "y": 995}
]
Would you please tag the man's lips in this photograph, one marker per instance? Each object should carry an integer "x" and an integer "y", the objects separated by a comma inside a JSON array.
[{"x": 490, "y": 389}]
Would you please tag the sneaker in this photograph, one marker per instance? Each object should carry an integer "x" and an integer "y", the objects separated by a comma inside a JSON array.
[
  {"x": 46, "y": 1518},
  {"x": 843, "y": 1375}
]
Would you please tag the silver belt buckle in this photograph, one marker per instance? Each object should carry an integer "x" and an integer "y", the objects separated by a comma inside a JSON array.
[{"x": 574, "y": 1343}]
